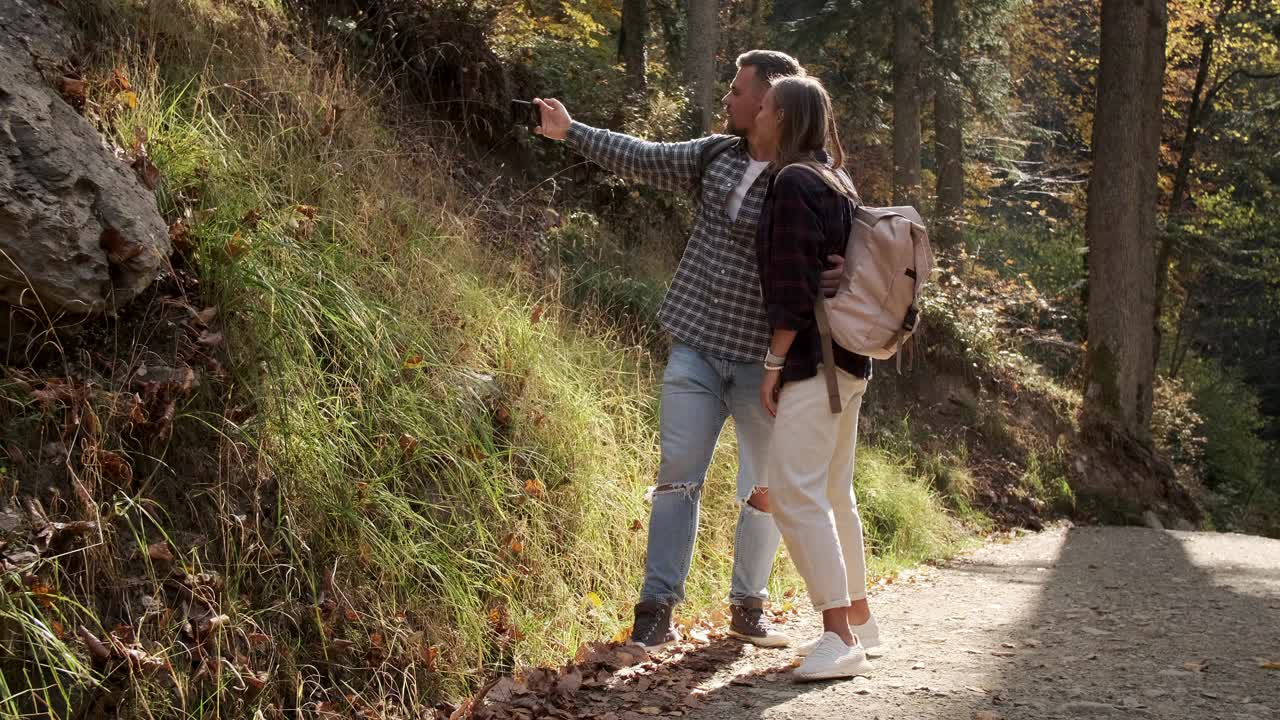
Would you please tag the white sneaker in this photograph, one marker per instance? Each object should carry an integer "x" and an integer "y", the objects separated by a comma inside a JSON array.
[
  {"x": 868, "y": 634},
  {"x": 833, "y": 659}
]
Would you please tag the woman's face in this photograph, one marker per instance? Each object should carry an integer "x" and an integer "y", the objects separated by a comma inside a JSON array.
[{"x": 768, "y": 123}]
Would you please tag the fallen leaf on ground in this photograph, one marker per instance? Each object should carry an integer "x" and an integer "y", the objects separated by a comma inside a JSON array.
[
  {"x": 408, "y": 443},
  {"x": 1270, "y": 665},
  {"x": 160, "y": 552},
  {"x": 569, "y": 684},
  {"x": 148, "y": 173},
  {"x": 97, "y": 649},
  {"x": 1195, "y": 666}
]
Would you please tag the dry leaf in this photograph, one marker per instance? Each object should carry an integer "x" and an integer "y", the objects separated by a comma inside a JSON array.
[
  {"x": 74, "y": 90},
  {"x": 119, "y": 248},
  {"x": 414, "y": 362},
  {"x": 534, "y": 487},
  {"x": 236, "y": 245},
  {"x": 569, "y": 683},
  {"x": 1194, "y": 666},
  {"x": 408, "y": 443},
  {"x": 206, "y": 316},
  {"x": 97, "y": 649},
  {"x": 515, "y": 545},
  {"x": 1270, "y": 665},
  {"x": 180, "y": 236},
  {"x": 148, "y": 173},
  {"x": 536, "y": 315},
  {"x": 116, "y": 468},
  {"x": 160, "y": 552},
  {"x": 430, "y": 654},
  {"x": 636, "y": 525}
]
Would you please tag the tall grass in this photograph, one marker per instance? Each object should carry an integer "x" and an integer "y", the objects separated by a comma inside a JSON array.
[{"x": 428, "y": 469}]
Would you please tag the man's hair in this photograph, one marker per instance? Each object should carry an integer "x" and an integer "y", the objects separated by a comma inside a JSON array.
[{"x": 770, "y": 64}]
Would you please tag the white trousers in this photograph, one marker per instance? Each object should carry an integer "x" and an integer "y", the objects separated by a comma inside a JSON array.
[{"x": 810, "y": 476}]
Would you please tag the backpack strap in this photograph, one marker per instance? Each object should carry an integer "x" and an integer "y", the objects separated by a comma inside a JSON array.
[{"x": 828, "y": 354}]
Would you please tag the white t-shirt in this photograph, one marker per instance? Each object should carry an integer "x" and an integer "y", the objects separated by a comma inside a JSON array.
[{"x": 748, "y": 179}]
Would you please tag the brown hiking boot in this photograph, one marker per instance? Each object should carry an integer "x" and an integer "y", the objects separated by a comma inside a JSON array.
[{"x": 747, "y": 623}]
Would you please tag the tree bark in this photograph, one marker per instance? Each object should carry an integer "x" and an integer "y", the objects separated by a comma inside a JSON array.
[
  {"x": 907, "y": 50},
  {"x": 1197, "y": 110},
  {"x": 632, "y": 41},
  {"x": 1121, "y": 221},
  {"x": 948, "y": 115},
  {"x": 701, "y": 40}
]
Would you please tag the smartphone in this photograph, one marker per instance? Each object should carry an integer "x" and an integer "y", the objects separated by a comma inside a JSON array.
[{"x": 525, "y": 113}]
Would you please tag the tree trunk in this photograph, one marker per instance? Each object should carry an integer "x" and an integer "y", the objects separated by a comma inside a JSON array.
[
  {"x": 701, "y": 40},
  {"x": 907, "y": 53},
  {"x": 948, "y": 116},
  {"x": 757, "y": 33},
  {"x": 632, "y": 41},
  {"x": 1197, "y": 111},
  {"x": 668, "y": 16},
  {"x": 1121, "y": 220}
]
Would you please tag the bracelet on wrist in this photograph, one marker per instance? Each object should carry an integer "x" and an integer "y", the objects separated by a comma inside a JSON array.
[
  {"x": 771, "y": 359},
  {"x": 771, "y": 367}
]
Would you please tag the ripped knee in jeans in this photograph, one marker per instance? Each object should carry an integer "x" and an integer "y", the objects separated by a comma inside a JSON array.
[
  {"x": 688, "y": 489},
  {"x": 759, "y": 499}
]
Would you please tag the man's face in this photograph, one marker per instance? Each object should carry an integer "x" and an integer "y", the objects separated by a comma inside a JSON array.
[{"x": 742, "y": 102}]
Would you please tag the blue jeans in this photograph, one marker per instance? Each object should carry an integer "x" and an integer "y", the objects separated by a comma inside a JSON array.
[{"x": 698, "y": 393}]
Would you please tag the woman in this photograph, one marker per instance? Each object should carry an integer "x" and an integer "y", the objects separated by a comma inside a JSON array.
[{"x": 810, "y": 459}]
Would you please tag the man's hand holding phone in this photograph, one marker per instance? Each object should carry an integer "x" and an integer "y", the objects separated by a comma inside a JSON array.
[{"x": 555, "y": 119}]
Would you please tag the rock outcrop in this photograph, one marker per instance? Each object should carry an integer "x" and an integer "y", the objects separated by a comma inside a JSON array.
[{"x": 80, "y": 234}]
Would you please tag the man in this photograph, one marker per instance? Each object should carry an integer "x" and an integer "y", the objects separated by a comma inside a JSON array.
[{"x": 716, "y": 318}]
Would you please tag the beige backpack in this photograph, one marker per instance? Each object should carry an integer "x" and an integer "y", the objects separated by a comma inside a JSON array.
[{"x": 886, "y": 264}]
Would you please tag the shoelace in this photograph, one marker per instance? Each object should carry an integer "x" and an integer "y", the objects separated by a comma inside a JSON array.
[
  {"x": 829, "y": 651},
  {"x": 753, "y": 619},
  {"x": 644, "y": 626}
]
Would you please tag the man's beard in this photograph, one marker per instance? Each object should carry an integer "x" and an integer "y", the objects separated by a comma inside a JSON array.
[{"x": 731, "y": 129}]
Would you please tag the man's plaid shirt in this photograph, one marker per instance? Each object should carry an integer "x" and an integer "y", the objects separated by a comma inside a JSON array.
[{"x": 713, "y": 304}]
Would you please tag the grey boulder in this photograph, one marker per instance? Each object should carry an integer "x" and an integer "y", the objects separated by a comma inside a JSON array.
[{"x": 80, "y": 235}]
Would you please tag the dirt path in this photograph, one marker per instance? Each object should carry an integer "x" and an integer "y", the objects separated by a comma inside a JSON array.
[{"x": 1068, "y": 623}]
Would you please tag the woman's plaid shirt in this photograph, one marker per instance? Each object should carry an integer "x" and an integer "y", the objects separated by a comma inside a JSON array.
[{"x": 713, "y": 303}]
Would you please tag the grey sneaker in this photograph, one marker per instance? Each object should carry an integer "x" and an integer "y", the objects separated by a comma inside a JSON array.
[
  {"x": 652, "y": 629},
  {"x": 747, "y": 623}
]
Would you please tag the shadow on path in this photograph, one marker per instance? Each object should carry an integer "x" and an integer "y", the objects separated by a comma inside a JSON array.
[{"x": 1071, "y": 623}]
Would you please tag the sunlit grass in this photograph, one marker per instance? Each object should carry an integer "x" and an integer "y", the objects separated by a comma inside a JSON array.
[{"x": 454, "y": 457}]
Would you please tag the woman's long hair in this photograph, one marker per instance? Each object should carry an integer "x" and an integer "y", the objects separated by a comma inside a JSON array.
[{"x": 808, "y": 127}]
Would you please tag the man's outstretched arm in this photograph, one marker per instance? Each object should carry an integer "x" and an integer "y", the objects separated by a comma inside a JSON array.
[{"x": 669, "y": 166}]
